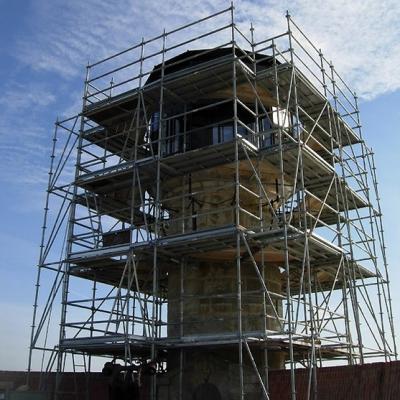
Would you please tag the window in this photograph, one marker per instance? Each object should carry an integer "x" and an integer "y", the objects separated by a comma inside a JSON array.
[
  {"x": 222, "y": 133},
  {"x": 280, "y": 117},
  {"x": 172, "y": 134},
  {"x": 155, "y": 122},
  {"x": 284, "y": 119},
  {"x": 173, "y": 142},
  {"x": 267, "y": 134}
]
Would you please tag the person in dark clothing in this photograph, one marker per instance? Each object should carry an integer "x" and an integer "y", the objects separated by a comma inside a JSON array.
[{"x": 123, "y": 382}]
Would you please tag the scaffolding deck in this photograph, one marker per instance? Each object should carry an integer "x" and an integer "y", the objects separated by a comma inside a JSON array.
[
  {"x": 223, "y": 239},
  {"x": 103, "y": 265},
  {"x": 113, "y": 345}
]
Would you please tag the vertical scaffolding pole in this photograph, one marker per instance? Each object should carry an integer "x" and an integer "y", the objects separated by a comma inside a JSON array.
[
  {"x": 181, "y": 322},
  {"x": 285, "y": 230},
  {"x": 157, "y": 218},
  {"x": 237, "y": 209},
  {"x": 383, "y": 251},
  {"x": 41, "y": 253},
  {"x": 350, "y": 268},
  {"x": 297, "y": 131},
  {"x": 70, "y": 233}
]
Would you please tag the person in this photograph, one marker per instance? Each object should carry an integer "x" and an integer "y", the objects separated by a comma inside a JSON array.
[{"x": 123, "y": 382}]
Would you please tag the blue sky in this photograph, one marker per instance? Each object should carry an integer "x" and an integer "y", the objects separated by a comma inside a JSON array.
[{"x": 45, "y": 45}]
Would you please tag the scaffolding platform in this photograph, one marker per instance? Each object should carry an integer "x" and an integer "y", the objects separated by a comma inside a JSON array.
[
  {"x": 325, "y": 258},
  {"x": 204, "y": 158},
  {"x": 203, "y": 244},
  {"x": 140, "y": 346},
  {"x": 210, "y": 73},
  {"x": 312, "y": 103}
]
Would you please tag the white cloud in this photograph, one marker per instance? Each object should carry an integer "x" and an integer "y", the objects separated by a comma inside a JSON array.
[
  {"x": 23, "y": 140},
  {"x": 18, "y": 97},
  {"x": 362, "y": 37}
]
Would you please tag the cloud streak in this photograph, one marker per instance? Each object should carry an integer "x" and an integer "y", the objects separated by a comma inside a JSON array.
[
  {"x": 19, "y": 97},
  {"x": 23, "y": 138},
  {"x": 362, "y": 37}
]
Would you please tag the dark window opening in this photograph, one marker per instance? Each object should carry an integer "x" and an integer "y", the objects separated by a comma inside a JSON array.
[
  {"x": 214, "y": 125},
  {"x": 173, "y": 137}
]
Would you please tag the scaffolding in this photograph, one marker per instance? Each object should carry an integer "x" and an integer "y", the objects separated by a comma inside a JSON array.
[{"x": 126, "y": 217}]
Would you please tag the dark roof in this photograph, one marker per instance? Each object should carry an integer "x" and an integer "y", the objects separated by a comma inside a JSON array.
[{"x": 192, "y": 58}]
